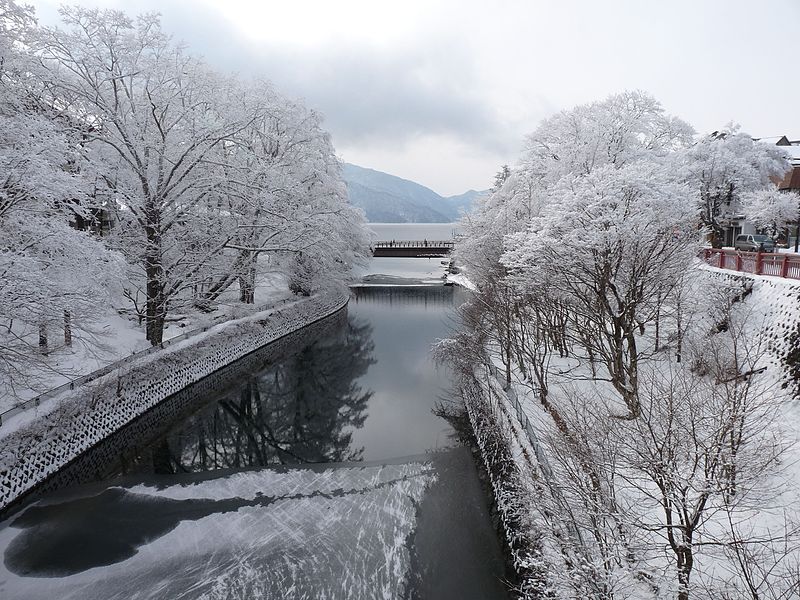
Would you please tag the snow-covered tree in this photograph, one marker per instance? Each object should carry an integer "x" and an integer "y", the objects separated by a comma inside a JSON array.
[
  {"x": 288, "y": 199},
  {"x": 615, "y": 227},
  {"x": 51, "y": 276},
  {"x": 771, "y": 210},
  {"x": 616, "y": 131},
  {"x": 205, "y": 172},
  {"x": 199, "y": 172},
  {"x": 501, "y": 177},
  {"x": 727, "y": 165},
  {"x": 157, "y": 118},
  {"x": 608, "y": 246},
  {"x": 583, "y": 263}
]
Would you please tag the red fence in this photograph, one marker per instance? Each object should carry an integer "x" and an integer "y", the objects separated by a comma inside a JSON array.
[{"x": 759, "y": 263}]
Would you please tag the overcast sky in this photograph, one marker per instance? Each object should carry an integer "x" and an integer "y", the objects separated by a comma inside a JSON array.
[{"x": 443, "y": 92}]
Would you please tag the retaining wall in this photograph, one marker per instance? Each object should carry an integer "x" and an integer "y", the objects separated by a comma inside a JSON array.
[
  {"x": 69, "y": 425},
  {"x": 510, "y": 476}
]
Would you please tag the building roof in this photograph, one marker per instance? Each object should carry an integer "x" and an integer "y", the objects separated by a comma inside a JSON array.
[
  {"x": 791, "y": 180},
  {"x": 793, "y": 152},
  {"x": 791, "y": 147},
  {"x": 778, "y": 140}
]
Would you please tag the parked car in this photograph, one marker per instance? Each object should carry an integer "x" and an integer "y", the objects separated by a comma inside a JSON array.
[{"x": 754, "y": 243}]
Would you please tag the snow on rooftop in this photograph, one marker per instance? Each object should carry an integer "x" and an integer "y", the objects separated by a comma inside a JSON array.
[
  {"x": 774, "y": 139},
  {"x": 793, "y": 150}
]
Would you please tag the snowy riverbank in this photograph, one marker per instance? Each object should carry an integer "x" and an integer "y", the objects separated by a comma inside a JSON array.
[
  {"x": 513, "y": 426},
  {"x": 116, "y": 336},
  {"x": 39, "y": 442}
]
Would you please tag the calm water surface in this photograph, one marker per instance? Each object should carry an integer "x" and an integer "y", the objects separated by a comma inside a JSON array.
[{"x": 362, "y": 390}]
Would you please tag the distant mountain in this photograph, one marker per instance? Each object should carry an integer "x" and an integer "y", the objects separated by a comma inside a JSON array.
[
  {"x": 463, "y": 202},
  {"x": 389, "y": 199}
]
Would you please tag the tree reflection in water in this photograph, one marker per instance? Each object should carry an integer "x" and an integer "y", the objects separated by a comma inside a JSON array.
[{"x": 301, "y": 409}]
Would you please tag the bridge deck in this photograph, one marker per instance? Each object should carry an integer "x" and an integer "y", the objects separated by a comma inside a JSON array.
[{"x": 412, "y": 248}]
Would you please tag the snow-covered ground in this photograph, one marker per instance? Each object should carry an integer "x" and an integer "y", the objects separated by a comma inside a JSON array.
[
  {"x": 771, "y": 314},
  {"x": 116, "y": 336}
]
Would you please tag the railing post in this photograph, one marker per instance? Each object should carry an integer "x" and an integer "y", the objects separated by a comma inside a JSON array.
[
  {"x": 759, "y": 262},
  {"x": 785, "y": 265},
  {"x": 738, "y": 261}
]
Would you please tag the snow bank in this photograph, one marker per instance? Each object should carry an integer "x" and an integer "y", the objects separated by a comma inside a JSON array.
[
  {"x": 38, "y": 443},
  {"x": 462, "y": 280}
]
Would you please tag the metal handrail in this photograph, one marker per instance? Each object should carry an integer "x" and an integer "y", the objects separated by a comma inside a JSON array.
[
  {"x": 414, "y": 244},
  {"x": 83, "y": 379}
]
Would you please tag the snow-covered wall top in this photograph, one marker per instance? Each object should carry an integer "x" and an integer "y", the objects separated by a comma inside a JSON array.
[
  {"x": 36, "y": 444},
  {"x": 771, "y": 309}
]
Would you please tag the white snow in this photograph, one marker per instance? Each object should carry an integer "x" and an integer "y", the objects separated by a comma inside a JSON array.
[
  {"x": 771, "y": 313},
  {"x": 462, "y": 280},
  {"x": 120, "y": 336}
]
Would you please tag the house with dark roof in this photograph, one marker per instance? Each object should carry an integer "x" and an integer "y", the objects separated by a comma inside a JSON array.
[{"x": 791, "y": 181}]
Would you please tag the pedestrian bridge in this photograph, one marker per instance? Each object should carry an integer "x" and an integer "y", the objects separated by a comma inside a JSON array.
[{"x": 412, "y": 248}]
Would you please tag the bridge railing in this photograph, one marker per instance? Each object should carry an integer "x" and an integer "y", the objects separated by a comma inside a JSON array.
[
  {"x": 758, "y": 263},
  {"x": 414, "y": 244}
]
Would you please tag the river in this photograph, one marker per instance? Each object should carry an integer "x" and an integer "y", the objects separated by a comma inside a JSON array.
[{"x": 313, "y": 468}]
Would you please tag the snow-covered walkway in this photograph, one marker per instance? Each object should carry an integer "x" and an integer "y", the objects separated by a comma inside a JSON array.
[{"x": 125, "y": 341}]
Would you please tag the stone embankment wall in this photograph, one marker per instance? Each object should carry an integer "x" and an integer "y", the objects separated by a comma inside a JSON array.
[
  {"x": 770, "y": 307},
  {"x": 512, "y": 474},
  {"x": 34, "y": 447}
]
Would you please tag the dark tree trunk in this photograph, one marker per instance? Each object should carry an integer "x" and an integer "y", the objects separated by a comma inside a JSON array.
[
  {"x": 67, "y": 328},
  {"x": 685, "y": 564},
  {"x": 156, "y": 309},
  {"x": 658, "y": 324},
  {"x": 215, "y": 289},
  {"x": 247, "y": 278},
  {"x": 43, "y": 348},
  {"x": 245, "y": 290},
  {"x": 679, "y": 325},
  {"x": 222, "y": 284},
  {"x": 796, "y": 237},
  {"x": 717, "y": 236},
  {"x": 155, "y": 314}
]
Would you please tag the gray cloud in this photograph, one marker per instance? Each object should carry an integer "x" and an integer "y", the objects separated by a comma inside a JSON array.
[
  {"x": 377, "y": 97},
  {"x": 371, "y": 97},
  {"x": 460, "y": 77}
]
